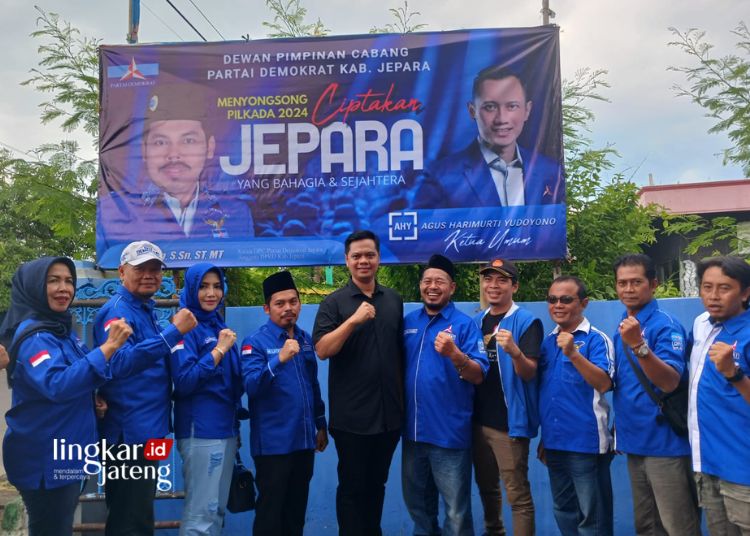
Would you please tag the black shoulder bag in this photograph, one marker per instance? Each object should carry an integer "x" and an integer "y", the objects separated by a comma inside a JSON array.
[
  {"x": 673, "y": 406},
  {"x": 242, "y": 489}
]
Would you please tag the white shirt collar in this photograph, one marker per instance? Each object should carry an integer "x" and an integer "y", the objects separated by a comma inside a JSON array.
[
  {"x": 584, "y": 326},
  {"x": 490, "y": 155},
  {"x": 184, "y": 216}
]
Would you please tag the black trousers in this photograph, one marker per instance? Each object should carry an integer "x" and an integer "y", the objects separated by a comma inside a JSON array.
[
  {"x": 130, "y": 502},
  {"x": 283, "y": 482},
  {"x": 364, "y": 461},
  {"x": 51, "y": 510}
]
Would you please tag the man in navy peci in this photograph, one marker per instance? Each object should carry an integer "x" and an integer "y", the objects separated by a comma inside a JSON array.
[
  {"x": 445, "y": 358},
  {"x": 177, "y": 198},
  {"x": 287, "y": 414}
]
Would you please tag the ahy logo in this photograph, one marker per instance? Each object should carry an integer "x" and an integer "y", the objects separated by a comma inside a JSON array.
[
  {"x": 106, "y": 460},
  {"x": 402, "y": 226}
]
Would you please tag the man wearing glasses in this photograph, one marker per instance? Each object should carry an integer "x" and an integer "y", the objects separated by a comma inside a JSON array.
[
  {"x": 445, "y": 358},
  {"x": 506, "y": 404},
  {"x": 575, "y": 370}
]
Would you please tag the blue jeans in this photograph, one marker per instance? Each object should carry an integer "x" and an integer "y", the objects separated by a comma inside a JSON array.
[
  {"x": 207, "y": 470},
  {"x": 581, "y": 492},
  {"x": 427, "y": 470}
]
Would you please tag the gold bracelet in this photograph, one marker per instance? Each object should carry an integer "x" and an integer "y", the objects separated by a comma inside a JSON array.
[
  {"x": 460, "y": 368},
  {"x": 220, "y": 351}
]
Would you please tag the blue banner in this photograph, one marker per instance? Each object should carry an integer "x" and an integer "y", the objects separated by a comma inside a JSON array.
[{"x": 270, "y": 152}]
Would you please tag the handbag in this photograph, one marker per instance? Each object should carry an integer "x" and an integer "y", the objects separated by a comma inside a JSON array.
[
  {"x": 242, "y": 488},
  {"x": 673, "y": 406}
]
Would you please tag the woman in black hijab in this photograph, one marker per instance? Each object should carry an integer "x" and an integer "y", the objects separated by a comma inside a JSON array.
[{"x": 51, "y": 422}]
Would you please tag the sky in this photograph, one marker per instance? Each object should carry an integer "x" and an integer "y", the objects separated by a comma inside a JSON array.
[{"x": 655, "y": 132}]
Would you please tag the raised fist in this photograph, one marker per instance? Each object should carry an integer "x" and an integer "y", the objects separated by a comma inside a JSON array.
[
  {"x": 184, "y": 320},
  {"x": 289, "y": 350},
  {"x": 566, "y": 343},
  {"x": 444, "y": 344},
  {"x": 504, "y": 340},
  {"x": 365, "y": 312},
  {"x": 118, "y": 333},
  {"x": 630, "y": 331}
]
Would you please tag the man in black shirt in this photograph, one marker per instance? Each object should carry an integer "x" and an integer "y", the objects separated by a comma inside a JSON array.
[
  {"x": 501, "y": 430},
  {"x": 360, "y": 328}
]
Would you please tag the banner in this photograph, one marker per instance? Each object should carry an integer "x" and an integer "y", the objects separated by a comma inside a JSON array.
[{"x": 270, "y": 152}]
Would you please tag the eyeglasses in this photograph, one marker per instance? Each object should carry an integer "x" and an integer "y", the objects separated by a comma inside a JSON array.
[
  {"x": 565, "y": 300},
  {"x": 437, "y": 282}
]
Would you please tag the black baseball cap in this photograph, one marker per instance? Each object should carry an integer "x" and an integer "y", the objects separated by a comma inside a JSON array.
[{"x": 502, "y": 267}]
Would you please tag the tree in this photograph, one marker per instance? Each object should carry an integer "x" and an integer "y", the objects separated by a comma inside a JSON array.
[
  {"x": 721, "y": 86},
  {"x": 404, "y": 23},
  {"x": 46, "y": 208},
  {"x": 289, "y": 20},
  {"x": 47, "y": 202},
  {"x": 604, "y": 219}
]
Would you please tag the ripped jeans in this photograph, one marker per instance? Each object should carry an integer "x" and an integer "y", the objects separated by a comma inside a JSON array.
[{"x": 207, "y": 471}]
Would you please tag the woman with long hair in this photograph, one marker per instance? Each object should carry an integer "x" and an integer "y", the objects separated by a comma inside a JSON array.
[{"x": 53, "y": 375}]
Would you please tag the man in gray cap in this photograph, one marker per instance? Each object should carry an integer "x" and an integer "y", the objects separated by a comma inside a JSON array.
[
  {"x": 505, "y": 404},
  {"x": 178, "y": 199},
  {"x": 139, "y": 394}
]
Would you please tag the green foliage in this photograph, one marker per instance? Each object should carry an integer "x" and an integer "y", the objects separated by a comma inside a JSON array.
[
  {"x": 704, "y": 235},
  {"x": 69, "y": 71},
  {"x": 12, "y": 516},
  {"x": 667, "y": 289},
  {"x": 721, "y": 86},
  {"x": 604, "y": 218},
  {"x": 289, "y": 20},
  {"x": 404, "y": 23},
  {"x": 46, "y": 208},
  {"x": 47, "y": 202},
  {"x": 246, "y": 284}
]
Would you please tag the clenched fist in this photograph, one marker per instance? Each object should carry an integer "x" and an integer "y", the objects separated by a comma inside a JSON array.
[
  {"x": 227, "y": 338},
  {"x": 365, "y": 312},
  {"x": 289, "y": 350},
  {"x": 118, "y": 333},
  {"x": 720, "y": 354},
  {"x": 566, "y": 343},
  {"x": 184, "y": 321},
  {"x": 630, "y": 331},
  {"x": 444, "y": 345},
  {"x": 504, "y": 340}
]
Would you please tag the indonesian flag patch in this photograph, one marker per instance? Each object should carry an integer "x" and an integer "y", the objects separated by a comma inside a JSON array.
[
  {"x": 247, "y": 349},
  {"x": 39, "y": 358},
  {"x": 108, "y": 323},
  {"x": 179, "y": 346}
]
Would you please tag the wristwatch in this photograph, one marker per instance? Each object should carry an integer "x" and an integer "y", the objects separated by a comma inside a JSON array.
[
  {"x": 642, "y": 349},
  {"x": 737, "y": 376}
]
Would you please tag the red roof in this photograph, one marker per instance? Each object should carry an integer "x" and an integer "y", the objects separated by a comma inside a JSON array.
[{"x": 700, "y": 197}]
